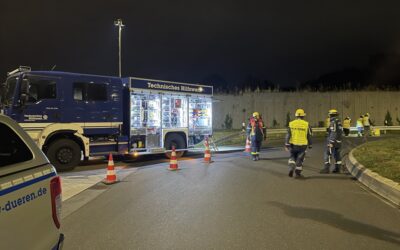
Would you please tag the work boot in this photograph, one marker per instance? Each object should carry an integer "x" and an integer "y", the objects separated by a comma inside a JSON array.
[
  {"x": 336, "y": 170},
  {"x": 298, "y": 173},
  {"x": 253, "y": 157},
  {"x": 291, "y": 173}
]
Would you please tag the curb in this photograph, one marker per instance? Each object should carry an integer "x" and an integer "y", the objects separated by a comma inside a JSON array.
[{"x": 386, "y": 188}]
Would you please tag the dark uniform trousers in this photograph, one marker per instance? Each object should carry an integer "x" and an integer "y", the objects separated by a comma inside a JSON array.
[
  {"x": 335, "y": 153},
  {"x": 255, "y": 145},
  {"x": 297, "y": 155}
]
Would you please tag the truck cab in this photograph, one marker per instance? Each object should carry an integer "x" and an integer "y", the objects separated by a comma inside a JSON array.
[
  {"x": 70, "y": 116},
  {"x": 30, "y": 193}
]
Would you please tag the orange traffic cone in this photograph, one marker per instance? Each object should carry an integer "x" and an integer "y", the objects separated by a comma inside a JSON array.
[
  {"x": 247, "y": 149},
  {"x": 207, "y": 153},
  {"x": 173, "y": 163},
  {"x": 111, "y": 177}
]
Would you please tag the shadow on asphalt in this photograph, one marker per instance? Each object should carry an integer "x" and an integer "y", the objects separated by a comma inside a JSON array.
[
  {"x": 329, "y": 177},
  {"x": 261, "y": 169},
  {"x": 274, "y": 158},
  {"x": 338, "y": 221},
  {"x": 283, "y": 161}
]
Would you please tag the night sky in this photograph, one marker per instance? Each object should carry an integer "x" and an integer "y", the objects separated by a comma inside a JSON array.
[{"x": 286, "y": 41}]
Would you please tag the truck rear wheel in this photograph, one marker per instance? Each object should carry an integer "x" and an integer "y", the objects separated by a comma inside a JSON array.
[
  {"x": 64, "y": 154},
  {"x": 175, "y": 140}
]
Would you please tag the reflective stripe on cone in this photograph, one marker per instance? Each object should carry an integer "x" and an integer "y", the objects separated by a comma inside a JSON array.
[
  {"x": 247, "y": 148},
  {"x": 111, "y": 177},
  {"x": 207, "y": 153},
  {"x": 173, "y": 163}
]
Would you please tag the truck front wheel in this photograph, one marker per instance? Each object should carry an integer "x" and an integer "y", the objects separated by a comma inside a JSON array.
[
  {"x": 175, "y": 140},
  {"x": 64, "y": 154}
]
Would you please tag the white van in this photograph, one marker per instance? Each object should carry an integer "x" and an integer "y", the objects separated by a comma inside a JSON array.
[{"x": 30, "y": 193}]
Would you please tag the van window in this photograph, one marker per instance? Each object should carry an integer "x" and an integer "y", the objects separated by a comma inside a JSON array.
[
  {"x": 12, "y": 149},
  {"x": 84, "y": 91}
]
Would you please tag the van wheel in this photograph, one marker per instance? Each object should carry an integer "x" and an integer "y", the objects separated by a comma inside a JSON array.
[
  {"x": 175, "y": 140},
  {"x": 64, "y": 154}
]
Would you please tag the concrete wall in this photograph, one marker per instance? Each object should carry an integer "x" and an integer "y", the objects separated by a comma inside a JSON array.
[{"x": 316, "y": 104}]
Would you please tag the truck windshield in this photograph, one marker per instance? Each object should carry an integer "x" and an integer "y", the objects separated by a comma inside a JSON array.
[{"x": 7, "y": 91}]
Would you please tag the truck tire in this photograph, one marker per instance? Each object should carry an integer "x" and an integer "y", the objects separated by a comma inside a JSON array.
[
  {"x": 176, "y": 140},
  {"x": 130, "y": 158},
  {"x": 64, "y": 154}
]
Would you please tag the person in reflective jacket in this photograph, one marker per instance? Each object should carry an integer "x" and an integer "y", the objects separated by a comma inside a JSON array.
[
  {"x": 346, "y": 126},
  {"x": 360, "y": 126},
  {"x": 367, "y": 124},
  {"x": 334, "y": 143},
  {"x": 256, "y": 132},
  {"x": 298, "y": 138}
]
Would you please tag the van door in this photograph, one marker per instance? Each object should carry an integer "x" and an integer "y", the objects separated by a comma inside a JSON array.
[{"x": 27, "y": 210}]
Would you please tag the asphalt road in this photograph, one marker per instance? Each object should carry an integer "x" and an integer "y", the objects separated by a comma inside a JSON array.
[{"x": 233, "y": 203}]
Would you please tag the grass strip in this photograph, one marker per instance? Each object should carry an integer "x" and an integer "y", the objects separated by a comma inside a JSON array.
[{"x": 382, "y": 157}]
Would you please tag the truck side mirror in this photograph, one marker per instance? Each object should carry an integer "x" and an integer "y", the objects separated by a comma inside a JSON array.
[
  {"x": 24, "y": 92},
  {"x": 3, "y": 86},
  {"x": 25, "y": 86}
]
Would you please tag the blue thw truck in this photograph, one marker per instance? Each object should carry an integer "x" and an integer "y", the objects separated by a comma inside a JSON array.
[{"x": 73, "y": 116}]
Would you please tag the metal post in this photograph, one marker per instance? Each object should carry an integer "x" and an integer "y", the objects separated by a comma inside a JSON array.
[{"x": 120, "y": 25}]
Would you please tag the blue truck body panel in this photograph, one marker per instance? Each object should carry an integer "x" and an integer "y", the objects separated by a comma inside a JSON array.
[{"x": 96, "y": 112}]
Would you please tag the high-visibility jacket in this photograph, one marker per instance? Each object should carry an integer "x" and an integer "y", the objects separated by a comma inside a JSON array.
[
  {"x": 360, "y": 123},
  {"x": 256, "y": 128},
  {"x": 299, "y": 133},
  {"x": 365, "y": 121},
  {"x": 347, "y": 123}
]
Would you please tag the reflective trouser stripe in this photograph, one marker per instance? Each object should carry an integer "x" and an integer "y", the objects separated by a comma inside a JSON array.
[
  {"x": 299, "y": 168},
  {"x": 254, "y": 153},
  {"x": 339, "y": 162},
  {"x": 292, "y": 161}
]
